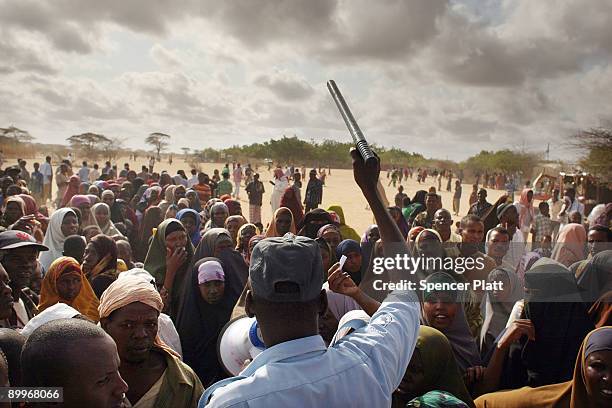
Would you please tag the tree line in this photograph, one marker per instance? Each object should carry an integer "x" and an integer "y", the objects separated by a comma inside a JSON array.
[{"x": 595, "y": 145}]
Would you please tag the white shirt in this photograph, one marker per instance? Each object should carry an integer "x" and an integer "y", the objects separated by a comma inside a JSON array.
[
  {"x": 84, "y": 174},
  {"x": 192, "y": 181},
  {"x": 555, "y": 208},
  {"x": 362, "y": 369},
  {"x": 47, "y": 172},
  {"x": 94, "y": 175}
]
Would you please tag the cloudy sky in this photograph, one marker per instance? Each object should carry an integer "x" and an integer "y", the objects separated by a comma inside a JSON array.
[{"x": 444, "y": 78}]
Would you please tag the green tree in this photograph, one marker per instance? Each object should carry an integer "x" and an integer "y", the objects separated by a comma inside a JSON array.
[
  {"x": 159, "y": 141},
  {"x": 90, "y": 144},
  {"x": 596, "y": 145},
  {"x": 16, "y": 135}
]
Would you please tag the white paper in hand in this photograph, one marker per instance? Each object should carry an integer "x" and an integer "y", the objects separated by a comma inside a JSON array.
[{"x": 342, "y": 261}]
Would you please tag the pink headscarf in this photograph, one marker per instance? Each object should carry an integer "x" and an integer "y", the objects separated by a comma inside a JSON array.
[{"x": 570, "y": 246}]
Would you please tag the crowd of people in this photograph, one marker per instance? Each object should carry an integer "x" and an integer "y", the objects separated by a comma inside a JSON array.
[{"x": 118, "y": 288}]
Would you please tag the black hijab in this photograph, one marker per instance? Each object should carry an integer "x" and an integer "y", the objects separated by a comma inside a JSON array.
[
  {"x": 308, "y": 228},
  {"x": 199, "y": 323},
  {"x": 554, "y": 306}
]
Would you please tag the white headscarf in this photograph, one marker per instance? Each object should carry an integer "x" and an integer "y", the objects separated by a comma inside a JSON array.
[
  {"x": 54, "y": 238},
  {"x": 57, "y": 311},
  {"x": 108, "y": 229}
]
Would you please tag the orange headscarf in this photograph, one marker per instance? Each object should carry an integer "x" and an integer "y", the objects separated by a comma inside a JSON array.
[
  {"x": 570, "y": 394},
  {"x": 86, "y": 301},
  {"x": 271, "y": 232}
]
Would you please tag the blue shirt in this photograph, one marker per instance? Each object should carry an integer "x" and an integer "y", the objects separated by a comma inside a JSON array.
[{"x": 362, "y": 369}]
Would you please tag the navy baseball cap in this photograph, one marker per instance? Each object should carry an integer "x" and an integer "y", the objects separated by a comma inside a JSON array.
[{"x": 13, "y": 239}]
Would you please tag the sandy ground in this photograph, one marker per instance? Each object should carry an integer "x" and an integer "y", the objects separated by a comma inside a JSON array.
[{"x": 340, "y": 189}]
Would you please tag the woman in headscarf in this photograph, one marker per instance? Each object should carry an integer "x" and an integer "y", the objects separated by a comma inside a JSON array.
[
  {"x": 83, "y": 188},
  {"x": 331, "y": 234},
  {"x": 233, "y": 224},
  {"x": 151, "y": 196},
  {"x": 605, "y": 218},
  {"x": 14, "y": 209},
  {"x": 73, "y": 189},
  {"x": 233, "y": 206},
  {"x": 108, "y": 197},
  {"x": 168, "y": 260},
  {"x": 127, "y": 191},
  {"x": 102, "y": 185},
  {"x": 100, "y": 262},
  {"x": 83, "y": 203},
  {"x": 526, "y": 211},
  {"x": 555, "y": 308},
  {"x": 291, "y": 201},
  {"x": 443, "y": 311},
  {"x": 63, "y": 223},
  {"x": 137, "y": 184},
  {"x": 313, "y": 221},
  {"x": 328, "y": 258},
  {"x": 252, "y": 242},
  {"x": 354, "y": 260},
  {"x": 280, "y": 185},
  {"x": 171, "y": 211},
  {"x": 595, "y": 283},
  {"x": 93, "y": 199},
  {"x": 396, "y": 214},
  {"x": 206, "y": 210},
  {"x": 138, "y": 196},
  {"x": 282, "y": 223},
  {"x": 497, "y": 305},
  {"x": 213, "y": 241},
  {"x": 101, "y": 214},
  {"x": 118, "y": 211},
  {"x": 209, "y": 296},
  {"x": 165, "y": 179},
  {"x": 428, "y": 244},
  {"x": 368, "y": 239},
  {"x": 168, "y": 198},
  {"x": 152, "y": 218},
  {"x": 346, "y": 231},
  {"x": 64, "y": 282},
  {"x": 194, "y": 200},
  {"x": 191, "y": 221},
  {"x": 571, "y": 245},
  {"x": 40, "y": 222},
  {"x": 586, "y": 388},
  {"x": 417, "y": 205},
  {"x": 245, "y": 233},
  {"x": 218, "y": 214},
  {"x": 93, "y": 189},
  {"x": 124, "y": 212},
  {"x": 432, "y": 367}
]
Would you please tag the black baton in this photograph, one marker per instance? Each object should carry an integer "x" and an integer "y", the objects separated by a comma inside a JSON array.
[{"x": 362, "y": 145}]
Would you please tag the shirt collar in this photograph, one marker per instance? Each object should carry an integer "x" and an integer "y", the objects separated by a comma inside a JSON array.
[{"x": 285, "y": 350}]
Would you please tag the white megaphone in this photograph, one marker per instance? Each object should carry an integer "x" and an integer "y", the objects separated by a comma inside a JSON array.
[{"x": 239, "y": 340}]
